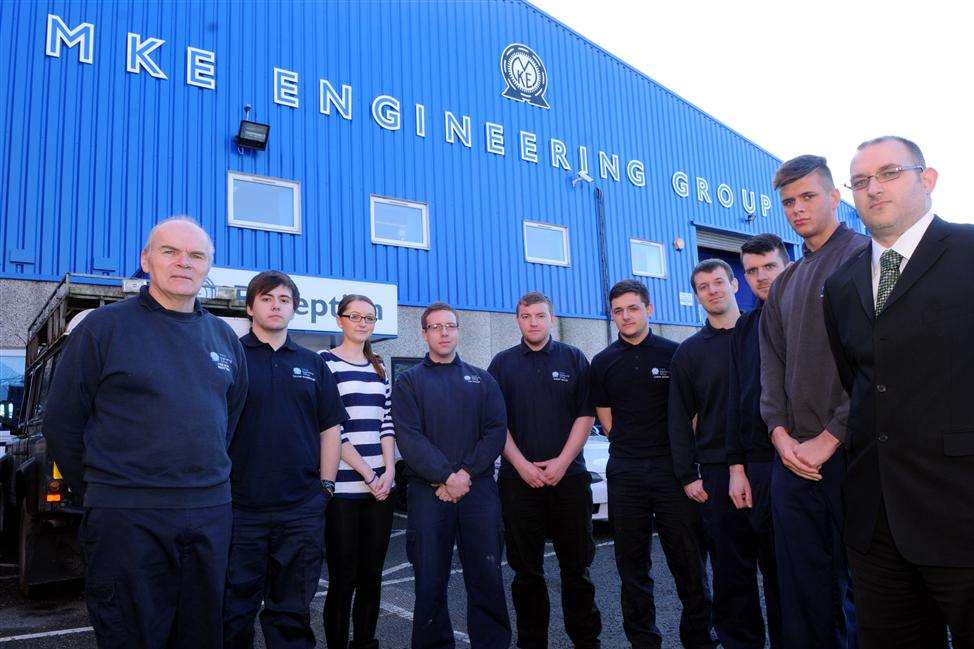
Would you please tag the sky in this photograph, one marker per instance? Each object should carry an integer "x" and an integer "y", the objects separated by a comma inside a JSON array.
[{"x": 799, "y": 78}]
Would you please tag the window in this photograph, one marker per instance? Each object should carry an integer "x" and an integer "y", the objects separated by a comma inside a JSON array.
[
  {"x": 262, "y": 203},
  {"x": 648, "y": 258},
  {"x": 400, "y": 223},
  {"x": 546, "y": 244}
]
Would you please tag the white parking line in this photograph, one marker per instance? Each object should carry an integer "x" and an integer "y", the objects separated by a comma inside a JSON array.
[
  {"x": 397, "y": 533},
  {"x": 408, "y": 615},
  {"x": 401, "y": 566},
  {"x": 46, "y": 634}
]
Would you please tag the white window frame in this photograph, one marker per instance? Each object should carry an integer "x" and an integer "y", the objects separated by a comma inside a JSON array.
[
  {"x": 566, "y": 244},
  {"x": 263, "y": 180},
  {"x": 662, "y": 256},
  {"x": 416, "y": 205}
]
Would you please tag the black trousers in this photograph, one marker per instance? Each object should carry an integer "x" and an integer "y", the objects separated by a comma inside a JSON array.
[
  {"x": 739, "y": 540},
  {"x": 276, "y": 559},
  {"x": 644, "y": 493},
  {"x": 816, "y": 591},
  {"x": 564, "y": 513},
  {"x": 154, "y": 577},
  {"x": 356, "y": 540},
  {"x": 902, "y": 605}
]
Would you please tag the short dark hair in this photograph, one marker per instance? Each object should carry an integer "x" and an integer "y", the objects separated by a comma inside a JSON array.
[
  {"x": 534, "y": 297},
  {"x": 798, "y": 168},
  {"x": 762, "y": 244},
  {"x": 709, "y": 266},
  {"x": 629, "y": 286},
  {"x": 267, "y": 281},
  {"x": 911, "y": 146},
  {"x": 436, "y": 306}
]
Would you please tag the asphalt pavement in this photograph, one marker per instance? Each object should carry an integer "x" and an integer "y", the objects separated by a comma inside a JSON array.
[{"x": 58, "y": 619}]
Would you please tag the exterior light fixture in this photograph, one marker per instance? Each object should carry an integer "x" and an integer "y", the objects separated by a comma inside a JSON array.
[{"x": 252, "y": 135}]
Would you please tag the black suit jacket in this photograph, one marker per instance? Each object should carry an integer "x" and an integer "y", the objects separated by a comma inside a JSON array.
[{"x": 910, "y": 376}]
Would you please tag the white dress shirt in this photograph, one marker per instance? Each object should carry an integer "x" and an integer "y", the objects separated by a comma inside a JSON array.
[{"x": 906, "y": 245}]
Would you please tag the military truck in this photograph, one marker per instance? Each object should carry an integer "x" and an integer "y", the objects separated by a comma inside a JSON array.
[{"x": 39, "y": 514}]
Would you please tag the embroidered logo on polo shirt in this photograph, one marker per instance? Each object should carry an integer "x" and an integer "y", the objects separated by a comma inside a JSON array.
[
  {"x": 660, "y": 373},
  {"x": 222, "y": 361},
  {"x": 471, "y": 379},
  {"x": 302, "y": 373},
  {"x": 558, "y": 375}
]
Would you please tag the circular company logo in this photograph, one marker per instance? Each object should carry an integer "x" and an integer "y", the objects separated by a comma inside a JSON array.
[
  {"x": 554, "y": 375},
  {"x": 214, "y": 357},
  {"x": 525, "y": 75},
  {"x": 297, "y": 370},
  {"x": 655, "y": 371}
]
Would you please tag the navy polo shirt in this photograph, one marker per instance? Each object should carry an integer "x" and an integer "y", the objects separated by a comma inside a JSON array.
[
  {"x": 276, "y": 452},
  {"x": 700, "y": 374},
  {"x": 634, "y": 381},
  {"x": 545, "y": 391}
]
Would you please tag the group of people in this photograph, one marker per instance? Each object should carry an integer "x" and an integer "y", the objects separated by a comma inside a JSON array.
[{"x": 822, "y": 441}]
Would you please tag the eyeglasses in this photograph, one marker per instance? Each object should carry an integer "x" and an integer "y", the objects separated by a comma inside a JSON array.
[
  {"x": 862, "y": 182},
  {"x": 356, "y": 318},
  {"x": 446, "y": 326}
]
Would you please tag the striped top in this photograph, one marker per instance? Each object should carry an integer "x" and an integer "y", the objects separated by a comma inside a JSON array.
[{"x": 367, "y": 399}]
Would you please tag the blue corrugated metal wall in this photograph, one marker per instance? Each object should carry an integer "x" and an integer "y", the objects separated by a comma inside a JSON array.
[{"x": 93, "y": 156}]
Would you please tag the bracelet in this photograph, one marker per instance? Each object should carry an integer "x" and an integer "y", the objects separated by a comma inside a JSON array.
[
  {"x": 375, "y": 476},
  {"x": 328, "y": 485}
]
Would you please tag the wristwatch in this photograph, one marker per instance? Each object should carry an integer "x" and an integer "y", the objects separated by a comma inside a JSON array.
[{"x": 328, "y": 486}]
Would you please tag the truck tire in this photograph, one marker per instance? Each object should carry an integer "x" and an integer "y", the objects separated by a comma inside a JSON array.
[{"x": 28, "y": 530}]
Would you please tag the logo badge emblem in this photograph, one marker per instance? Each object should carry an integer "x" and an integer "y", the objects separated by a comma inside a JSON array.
[{"x": 525, "y": 75}]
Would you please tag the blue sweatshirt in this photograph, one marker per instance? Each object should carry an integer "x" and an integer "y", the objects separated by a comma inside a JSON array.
[
  {"x": 143, "y": 404},
  {"x": 449, "y": 416}
]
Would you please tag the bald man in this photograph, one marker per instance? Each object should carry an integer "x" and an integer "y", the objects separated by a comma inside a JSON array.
[{"x": 139, "y": 416}]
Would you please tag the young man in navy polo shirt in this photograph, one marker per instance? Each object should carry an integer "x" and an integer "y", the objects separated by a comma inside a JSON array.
[
  {"x": 285, "y": 457},
  {"x": 630, "y": 392},
  {"x": 544, "y": 487},
  {"x": 699, "y": 377},
  {"x": 451, "y": 427}
]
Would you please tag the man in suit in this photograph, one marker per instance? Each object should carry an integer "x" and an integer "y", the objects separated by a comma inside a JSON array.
[{"x": 899, "y": 317}]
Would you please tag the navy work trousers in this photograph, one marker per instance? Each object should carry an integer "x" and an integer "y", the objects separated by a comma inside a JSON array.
[
  {"x": 816, "y": 593},
  {"x": 644, "y": 493},
  {"x": 474, "y": 525},
  {"x": 154, "y": 577},
  {"x": 275, "y": 557},
  {"x": 740, "y": 540},
  {"x": 563, "y": 513}
]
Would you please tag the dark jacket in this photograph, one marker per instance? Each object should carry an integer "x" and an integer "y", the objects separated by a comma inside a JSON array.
[{"x": 910, "y": 374}]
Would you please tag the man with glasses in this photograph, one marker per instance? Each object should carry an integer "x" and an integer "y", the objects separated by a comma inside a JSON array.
[
  {"x": 805, "y": 409},
  {"x": 900, "y": 316},
  {"x": 451, "y": 425},
  {"x": 545, "y": 489},
  {"x": 630, "y": 392}
]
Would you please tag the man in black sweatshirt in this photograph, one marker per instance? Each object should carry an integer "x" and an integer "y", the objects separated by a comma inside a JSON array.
[
  {"x": 749, "y": 449},
  {"x": 698, "y": 389},
  {"x": 806, "y": 409},
  {"x": 143, "y": 404},
  {"x": 451, "y": 426},
  {"x": 630, "y": 392}
]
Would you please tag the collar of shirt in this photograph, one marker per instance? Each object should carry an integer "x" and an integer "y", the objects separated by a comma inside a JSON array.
[
  {"x": 525, "y": 349},
  {"x": 646, "y": 342},
  {"x": 149, "y": 302},
  {"x": 429, "y": 362},
  {"x": 838, "y": 234},
  {"x": 906, "y": 245},
  {"x": 250, "y": 340},
  {"x": 709, "y": 331}
]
